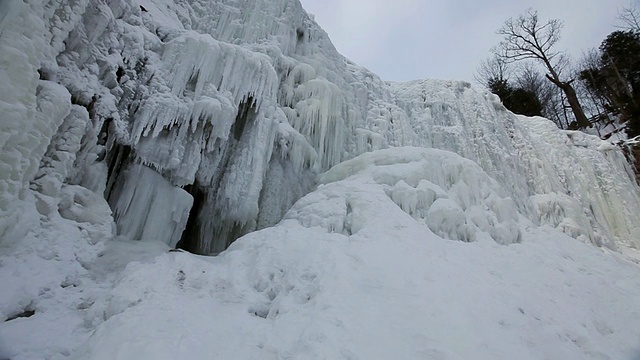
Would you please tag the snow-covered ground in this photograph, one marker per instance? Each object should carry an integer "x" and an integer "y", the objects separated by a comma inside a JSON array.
[
  {"x": 416, "y": 220},
  {"x": 348, "y": 274}
]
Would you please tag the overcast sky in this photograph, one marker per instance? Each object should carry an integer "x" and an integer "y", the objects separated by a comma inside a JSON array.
[{"x": 446, "y": 39}]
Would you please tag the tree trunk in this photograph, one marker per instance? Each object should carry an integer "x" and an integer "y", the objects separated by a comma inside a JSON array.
[
  {"x": 581, "y": 119},
  {"x": 576, "y": 108}
]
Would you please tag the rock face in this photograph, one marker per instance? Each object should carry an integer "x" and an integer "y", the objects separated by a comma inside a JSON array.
[{"x": 201, "y": 121}]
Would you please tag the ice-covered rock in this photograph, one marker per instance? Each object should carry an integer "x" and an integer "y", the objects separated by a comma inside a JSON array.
[
  {"x": 452, "y": 195},
  {"x": 239, "y": 105}
]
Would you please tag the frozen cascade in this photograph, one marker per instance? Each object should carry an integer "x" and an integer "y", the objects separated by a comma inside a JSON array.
[
  {"x": 205, "y": 103},
  {"x": 129, "y": 127},
  {"x": 57, "y": 163},
  {"x": 452, "y": 195},
  {"x": 569, "y": 180},
  {"x": 231, "y": 109},
  {"x": 452, "y": 116},
  {"x": 582, "y": 185}
]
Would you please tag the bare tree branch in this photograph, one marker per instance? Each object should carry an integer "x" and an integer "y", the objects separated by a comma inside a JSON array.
[
  {"x": 526, "y": 38},
  {"x": 491, "y": 69},
  {"x": 630, "y": 17}
]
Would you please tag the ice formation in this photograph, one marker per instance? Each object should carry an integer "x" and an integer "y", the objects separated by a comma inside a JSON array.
[
  {"x": 452, "y": 195},
  {"x": 194, "y": 123},
  {"x": 234, "y": 108}
]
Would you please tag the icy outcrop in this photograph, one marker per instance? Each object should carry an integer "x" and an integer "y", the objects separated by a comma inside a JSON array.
[
  {"x": 570, "y": 180},
  {"x": 150, "y": 208},
  {"x": 201, "y": 121},
  {"x": 207, "y": 94},
  {"x": 452, "y": 116},
  {"x": 582, "y": 184},
  {"x": 452, "y": 195}
]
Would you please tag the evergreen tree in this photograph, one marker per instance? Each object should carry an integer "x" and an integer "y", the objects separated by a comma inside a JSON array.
[
  {"x": 616, "y": 77},
  {"x": 516, "y": 99}
]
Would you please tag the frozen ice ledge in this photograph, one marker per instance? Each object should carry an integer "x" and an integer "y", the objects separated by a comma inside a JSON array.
[{"x": 202, "y": 120}]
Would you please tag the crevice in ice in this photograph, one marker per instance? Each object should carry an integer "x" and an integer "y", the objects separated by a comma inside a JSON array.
[
  {"x": 104, "y": 134},
  {"x": 300, "y": 41},
  {"x": 191, "y": 233},
  {"x": 89, "y": 105},
  {"x": 299, "y": 35},
  {"x": 246, "y": 114},
  {"x": 120, "y": 73},
  {"x": 42, "y": 76},
  {"x": 118, "y": 158},
  {"x": 348, "y": 219}
]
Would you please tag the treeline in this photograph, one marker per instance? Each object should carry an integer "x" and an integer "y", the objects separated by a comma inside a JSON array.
[{"x": 535, "y": 78}]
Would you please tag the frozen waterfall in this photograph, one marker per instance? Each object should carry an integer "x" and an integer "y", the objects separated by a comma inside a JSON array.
[
  {"x": 202, "y": 121},
  {"x": 353, "y": 218}
]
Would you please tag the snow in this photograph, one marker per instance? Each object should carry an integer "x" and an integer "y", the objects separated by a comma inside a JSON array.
[
  {"x": 387, "y": 287},
  {"x": 452, "y": 194},
  {"x": 351, "y": 218},
  {"x": 295, "y": 293}
]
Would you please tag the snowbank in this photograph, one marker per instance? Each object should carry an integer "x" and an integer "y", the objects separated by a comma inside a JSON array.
[{"x": 375, "y": 283}]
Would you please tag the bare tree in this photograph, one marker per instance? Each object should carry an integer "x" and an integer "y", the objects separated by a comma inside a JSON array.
[
  {"x": 530, "y": 78},
  {"x": 491, "y": 69},
  {"x": 630, "y": 17},
  {"x": 526, "y": 38}
]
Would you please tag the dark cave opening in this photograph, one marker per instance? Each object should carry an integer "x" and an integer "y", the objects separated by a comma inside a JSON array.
[
  {"x": 246, "y": 114},
  {"x": 191, "y": 234},
  {"x": 207, "y": 231},
  {"x": 118, "y": 159}
]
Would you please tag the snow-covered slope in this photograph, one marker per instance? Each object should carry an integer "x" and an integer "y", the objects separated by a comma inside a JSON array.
[{"x": 193, "y": 123}]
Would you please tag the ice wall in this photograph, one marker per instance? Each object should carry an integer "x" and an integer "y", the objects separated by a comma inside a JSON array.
[
  {"x": 581, "y": 184},
  {"x": 452, "y": 195},
  {"x": 200, "y": 121},
  {"x": 569, "y": 180},
  {"x": 214, "y": 96}
]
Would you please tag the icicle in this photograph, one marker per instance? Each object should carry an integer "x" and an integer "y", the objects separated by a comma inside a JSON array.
[
  {"x": 195, "y": 60},
  {"x": 150, "y": 208},
  {"x": 319, "y": 118}
]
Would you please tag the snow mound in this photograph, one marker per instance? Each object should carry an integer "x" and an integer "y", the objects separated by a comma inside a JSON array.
[
  {"x": 453, "y": 195},
  {"x": 349, "y": 274}
]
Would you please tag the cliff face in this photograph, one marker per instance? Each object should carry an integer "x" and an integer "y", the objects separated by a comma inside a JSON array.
[
  {"x": 201, "y": 121},
  {"x": 211, "y": 96}
]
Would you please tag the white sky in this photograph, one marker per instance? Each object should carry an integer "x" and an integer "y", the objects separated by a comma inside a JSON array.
[{"x": 446, "y": 39}]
